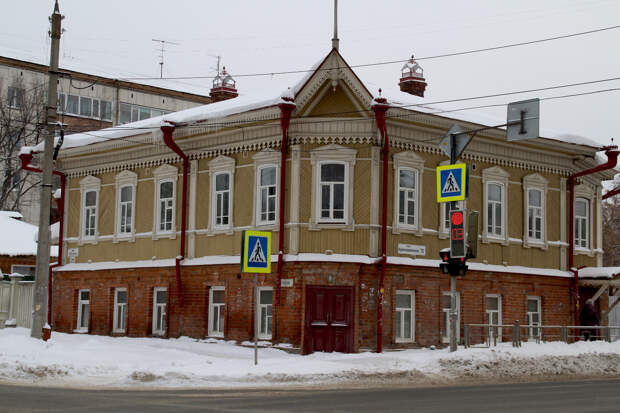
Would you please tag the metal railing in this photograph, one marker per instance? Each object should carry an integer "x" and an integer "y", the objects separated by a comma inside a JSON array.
[{"x": 490, "y": 334}]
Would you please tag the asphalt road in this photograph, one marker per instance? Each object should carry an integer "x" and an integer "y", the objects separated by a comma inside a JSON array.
[{"x": 566, "y": 397}]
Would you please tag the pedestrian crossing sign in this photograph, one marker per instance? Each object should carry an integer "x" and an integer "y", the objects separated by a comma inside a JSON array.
[
  {"x": 256, "y": 252},
  {"x": 451, "y": 182}
]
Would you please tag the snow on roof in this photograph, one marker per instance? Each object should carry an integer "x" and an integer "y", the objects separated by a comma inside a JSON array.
[
  {"x": 599, "y": 272},
  {"x": 266, "y": 98},
  {"x": 18, "y": 237}
]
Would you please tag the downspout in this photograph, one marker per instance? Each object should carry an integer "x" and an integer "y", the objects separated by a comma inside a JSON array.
[
  {"x": 380, "y": 107},
  {"x": 168, "y": 130},
  {"x": 26, "y": 158},
  {"x": 287, "y": 106},
  {"x": 612, "y": 158},
  {"x": 611, "y": 193}
]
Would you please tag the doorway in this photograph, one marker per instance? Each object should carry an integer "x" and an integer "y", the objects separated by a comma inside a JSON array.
[{"x": 329, "y": 319}]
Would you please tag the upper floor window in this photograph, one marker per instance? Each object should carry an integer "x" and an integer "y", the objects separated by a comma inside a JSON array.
[
  {"x": 165, "y": 201},
  {"x": 126, "y": 183},
  {"x": 125, "y": 209},
  {"x": 267, "y": 195},
  {"x": 166, "y": 206},
  {"x": 222, "y": 199},
  {"x": 85, "y": 106},
  {"x": 90, "y": 214},
  {"x": 16, "y": 97},
  {"x": 407, "y": 197},
  {"x": 332, "y": 192},
  {"x": 134, "y": 113},
  {"x": 535, "y": 214},
  {"x": 582, "y": 223},
  {"x": 495, "y": 209}
]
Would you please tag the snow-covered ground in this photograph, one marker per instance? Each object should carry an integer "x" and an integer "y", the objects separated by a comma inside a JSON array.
[{"x": 88, "y": 361}]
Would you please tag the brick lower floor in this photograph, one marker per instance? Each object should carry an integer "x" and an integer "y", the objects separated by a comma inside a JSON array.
[{"x": 219, "y": 301}]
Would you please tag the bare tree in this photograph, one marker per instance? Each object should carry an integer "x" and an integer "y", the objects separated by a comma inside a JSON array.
[
  {"x": 611, "y": 229},
  {"x": 22, "y": 111}
]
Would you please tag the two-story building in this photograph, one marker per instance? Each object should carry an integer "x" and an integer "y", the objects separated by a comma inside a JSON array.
[{"x": 154, "y": 216}]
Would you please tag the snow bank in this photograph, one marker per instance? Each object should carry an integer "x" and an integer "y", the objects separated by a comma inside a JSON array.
[{"x": 83, "y": 360}]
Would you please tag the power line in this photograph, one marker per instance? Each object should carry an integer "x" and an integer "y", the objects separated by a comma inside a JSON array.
[{"x": 466, "y": 52}]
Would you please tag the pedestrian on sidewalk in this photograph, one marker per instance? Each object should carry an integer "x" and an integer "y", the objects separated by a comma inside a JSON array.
[{"x": 588, "y": 317}]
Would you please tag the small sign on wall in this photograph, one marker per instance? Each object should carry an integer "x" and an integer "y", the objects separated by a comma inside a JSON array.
[
  {"x": 409, "y": 249},
  {"x": 286, "y": 282},
  {"x": 72, "y": 253}
]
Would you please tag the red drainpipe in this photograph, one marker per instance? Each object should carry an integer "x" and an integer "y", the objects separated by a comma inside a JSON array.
[
  {"x": 612, "y": 158},
  {"x": 26, "y": 158},
  {"x": 611, "y": 193},
  {"x": 286, "y": 108},
  {"x": 168, "y": 130},
  {"x": 380, "y": 107}
]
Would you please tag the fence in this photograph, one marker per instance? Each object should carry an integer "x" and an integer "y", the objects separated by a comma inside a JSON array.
[
  {"x": 16, "y": 302},
  {"x": 490, "y": 334}
]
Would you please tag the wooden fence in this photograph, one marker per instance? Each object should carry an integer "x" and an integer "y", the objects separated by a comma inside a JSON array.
[{"x": 16, "y": 302}]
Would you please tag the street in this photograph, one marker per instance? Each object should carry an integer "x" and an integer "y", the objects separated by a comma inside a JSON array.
[{"x": 592, "y": 396}]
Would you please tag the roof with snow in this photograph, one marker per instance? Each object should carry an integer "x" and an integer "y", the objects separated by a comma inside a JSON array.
[
  {"x": 18, "y": 237},
  {"x": 267, "y": 98},
  {"x": 599, "y": 272}
]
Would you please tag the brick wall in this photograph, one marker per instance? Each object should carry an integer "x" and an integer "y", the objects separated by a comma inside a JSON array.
[
  {"x": 428, "y": 284},
  {"x": 6, "y": 262}
]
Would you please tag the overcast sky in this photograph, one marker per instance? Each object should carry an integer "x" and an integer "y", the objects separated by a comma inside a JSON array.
[{"x": 114, "y": 38}]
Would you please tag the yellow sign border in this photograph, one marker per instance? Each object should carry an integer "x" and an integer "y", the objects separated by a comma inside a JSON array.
[
  {"x": 246, "y": 240},
  {"x": 463, "y": 168}
]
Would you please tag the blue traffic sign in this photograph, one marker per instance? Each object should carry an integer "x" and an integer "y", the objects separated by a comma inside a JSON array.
[
  {"x": 451, "y": 182},
  {"x": 256, "y": 252}
]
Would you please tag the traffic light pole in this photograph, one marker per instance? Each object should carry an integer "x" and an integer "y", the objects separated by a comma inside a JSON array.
[{"x": 453, "y": 309}]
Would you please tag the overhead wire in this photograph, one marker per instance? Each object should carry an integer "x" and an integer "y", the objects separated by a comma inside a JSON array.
[{"x": 390, "y": 62}]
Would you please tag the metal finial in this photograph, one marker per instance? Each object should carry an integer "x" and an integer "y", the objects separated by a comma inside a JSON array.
[
  {"x": 379, "y": 91},
  {"x": 335, "y": 40}
]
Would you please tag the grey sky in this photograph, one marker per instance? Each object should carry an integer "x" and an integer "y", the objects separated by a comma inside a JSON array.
[{"x": 113, "y": 38}]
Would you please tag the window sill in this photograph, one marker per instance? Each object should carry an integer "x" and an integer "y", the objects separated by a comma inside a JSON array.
[
  {"x": 84, "y": 241},
  {"x": 404, "y": 341},
  {"x": 163, "y": 235},
  {"x": 406, "y": 230},
  {"x": 535, "y": 244},
  {"x": 321, "y": 225},
  {"x": 494, "y": 239},
  {"x": 80, "y": 331},
  {"x": 221, "y": 230},
  {"x": 159, "y": 334},
  {"x": 124, "y": 238},
  {"x": 584, "y": 251}
]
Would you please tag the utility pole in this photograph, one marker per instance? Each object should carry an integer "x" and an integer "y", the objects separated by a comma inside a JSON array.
[
  {"x": 39, "y": 314},
  {"x": 453, "y": 309}
]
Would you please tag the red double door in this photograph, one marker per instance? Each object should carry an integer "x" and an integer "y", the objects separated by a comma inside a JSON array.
[{"x": 329, "y": 319}]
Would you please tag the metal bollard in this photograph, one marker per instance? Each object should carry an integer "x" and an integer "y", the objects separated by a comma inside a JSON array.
[{"x": 466, "y": 333}]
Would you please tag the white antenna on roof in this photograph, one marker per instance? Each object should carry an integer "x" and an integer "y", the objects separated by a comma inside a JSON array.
[
  {"x": 335, "y": 40},
  {"x": 161, "y": 55}
]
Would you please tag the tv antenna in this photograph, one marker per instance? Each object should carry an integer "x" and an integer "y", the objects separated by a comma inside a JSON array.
[{"x": 161, "y": 54}]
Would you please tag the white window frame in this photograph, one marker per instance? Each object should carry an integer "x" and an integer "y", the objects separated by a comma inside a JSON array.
[
  {"x": 410, "y": 161},
  {"x": 164, "y": 314},
  {"x": 532, "y": 335},
  {"x": 219, "y": 165},
  {"x": 399, "y": 313},
  {"x": 593, "y": 196},
  {"x": 222, "y": 199},
  {"x": 125, "y": 179},
  {"x": 122, "y": 308},
  {"x": 164, "y": 173},
  {"x": 331, "y": 185},
  {"x": 88, "y": 184},
  {"x": 16, "y": 100},
  {"x": 535, "y": 182},
  {"x": 445, "y": 313},
  {"x": 259, "y": 309},
  {"x": 488, "y": 312},
  {"x": 221, "y": 313},
  {"x": 588, "y": 237},
  {"x": 267, "y": 158},
  {"x": 498, "y": 176},
  {"x": 332, "y": 154},
  {"x": 81, "y": 328}
]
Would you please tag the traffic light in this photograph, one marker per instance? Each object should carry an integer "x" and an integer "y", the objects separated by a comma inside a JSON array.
[
  {"x": 457, "y": 234},
  {"x": 453, "y": 266}
]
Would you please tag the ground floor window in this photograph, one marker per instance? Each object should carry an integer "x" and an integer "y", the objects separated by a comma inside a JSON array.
[
  {"x": 405, "y": 316},
  {"x": 494, "y": 315},
  {"x": 445, "y": 312},
  {"x": 120, "y": 310},
  {"x": 159, "y": 311},
  {"x": 533, "y": 317},
  {"x": 264, "y": 307},
  {"x": 217, "y": 306},
  {"x": 83, "y": 310}
]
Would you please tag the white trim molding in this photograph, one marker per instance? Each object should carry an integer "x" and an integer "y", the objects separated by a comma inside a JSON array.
[
  {"x": 164, "y": 173},
  {"x": 124, "y": 179},
  {"x": 408, "y": 161},
  {"x": 495, "y": 175},
  {"x": 221, "y": 164},
  {"x": 89, "y": 184},
  {"x": 336, "y": 154},
  {"x": 588, "y": 193},
  {"x": 535, "y": 182}
]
